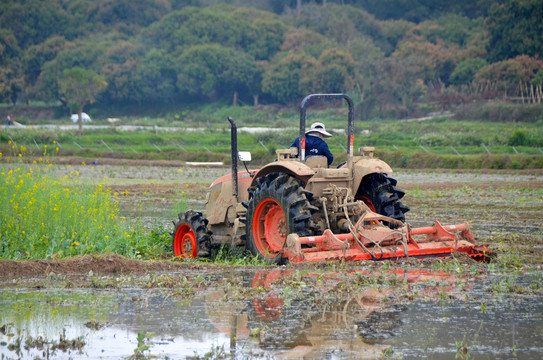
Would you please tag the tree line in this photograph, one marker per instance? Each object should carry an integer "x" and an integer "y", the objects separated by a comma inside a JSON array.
[{"x": 398, "y": 58}]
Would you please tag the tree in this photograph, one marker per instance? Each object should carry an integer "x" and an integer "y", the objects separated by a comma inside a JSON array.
[
  {"x": 465, "y": 71},
  {"x": 131, "y": 13},
  {"x": 211, "y": 25},
  {"x": 268, "y": 38},
  {"x": 80, "y": 86},
  {"x": 303, "y": 41},
  {"x": 11, "y": 82},
  {"x": 11, "y": 74},
  {"x": 120, "y": 69},
  {"x": 37, "y": 55},
  {"x": 282, "y": 78},
  {"x": 212, "y": 70},
  {"x": 515, "y": 28},
  {"x": 332, "y": 73},
  {"x": 530, "y": 66},
  {"x": 163, "y": 34},
  {"x": 87, "y": 55},
  {"x": 502, "y": 76},
  {"x": 157, "y": 77},
  {"x": 33, "y": 21},
  {"x": 538, "y": 79}
]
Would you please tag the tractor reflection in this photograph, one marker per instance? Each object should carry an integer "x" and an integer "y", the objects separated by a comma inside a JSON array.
[{"x": 308, "y": 313}]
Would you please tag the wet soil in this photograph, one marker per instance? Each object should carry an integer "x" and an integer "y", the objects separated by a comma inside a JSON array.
[
  {"x": 98, "y": 264},
  {"x": 178, "y": 308},
  {"x": 504, "y": 207}
]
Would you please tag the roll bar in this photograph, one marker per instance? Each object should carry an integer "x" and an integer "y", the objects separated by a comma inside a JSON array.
[{"x": 350, "y": 126}]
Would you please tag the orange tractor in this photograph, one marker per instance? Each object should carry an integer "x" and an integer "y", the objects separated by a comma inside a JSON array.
[{"x": 298, "y": 209}]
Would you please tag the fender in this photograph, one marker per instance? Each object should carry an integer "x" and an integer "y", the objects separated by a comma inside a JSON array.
[
  {"x": 295, "y": 168},
  {"x": 367, "y": 166},
  {"x": 220, "y": 198}
]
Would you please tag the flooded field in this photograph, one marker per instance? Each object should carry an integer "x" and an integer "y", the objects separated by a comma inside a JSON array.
[
  {"x": 435, "y": 309},
  {"x": 346, "y": 313}
]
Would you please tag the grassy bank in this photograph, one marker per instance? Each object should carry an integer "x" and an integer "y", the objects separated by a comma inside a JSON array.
[
  {"x": 478, "y": 135},
  {"x": 437, "y": 143}
]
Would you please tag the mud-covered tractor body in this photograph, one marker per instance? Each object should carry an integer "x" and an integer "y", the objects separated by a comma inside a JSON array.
[{"x": 298, "y": 208}]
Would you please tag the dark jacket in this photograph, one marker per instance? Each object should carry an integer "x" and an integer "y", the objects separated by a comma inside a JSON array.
[{"x": 314, "y": 145}]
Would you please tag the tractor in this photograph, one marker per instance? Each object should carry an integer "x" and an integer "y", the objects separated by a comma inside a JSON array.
[{"x": 298, "y": 209}]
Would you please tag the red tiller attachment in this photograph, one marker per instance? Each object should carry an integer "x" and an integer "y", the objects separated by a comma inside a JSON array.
[{"x": 371, "y": 240}]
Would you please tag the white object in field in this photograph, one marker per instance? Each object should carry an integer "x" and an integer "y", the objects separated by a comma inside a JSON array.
[{"x": 84, "y": 117}]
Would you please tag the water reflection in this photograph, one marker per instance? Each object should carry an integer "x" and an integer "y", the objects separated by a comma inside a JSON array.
[{"x": 284, "y": 312}]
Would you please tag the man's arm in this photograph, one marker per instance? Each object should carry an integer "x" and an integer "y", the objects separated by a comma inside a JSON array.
[
  {"x": 295, "y": 143},
  {"x": 328, "y": 154}
]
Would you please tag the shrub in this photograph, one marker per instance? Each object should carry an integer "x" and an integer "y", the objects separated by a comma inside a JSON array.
[{"x": 519, "y": 138}]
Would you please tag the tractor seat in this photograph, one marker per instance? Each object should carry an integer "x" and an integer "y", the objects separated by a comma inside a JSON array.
[{"x": 317, "y": 162}]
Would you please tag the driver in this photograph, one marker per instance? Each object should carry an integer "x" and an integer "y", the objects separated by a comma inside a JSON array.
[{"x": 314, "y": 143}]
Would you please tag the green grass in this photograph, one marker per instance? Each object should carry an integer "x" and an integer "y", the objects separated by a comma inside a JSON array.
[
  {"x": 430, "y": 143},
  {"x": 48, "y": 217}
]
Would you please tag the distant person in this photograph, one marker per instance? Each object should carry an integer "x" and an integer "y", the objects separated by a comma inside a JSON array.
[
  {"x": 314, "y": 143},
  {"x": 9, "y": 120}
]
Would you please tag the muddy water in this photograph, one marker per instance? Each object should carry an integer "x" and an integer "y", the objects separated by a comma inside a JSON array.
[{"x": 288, "y": 313}]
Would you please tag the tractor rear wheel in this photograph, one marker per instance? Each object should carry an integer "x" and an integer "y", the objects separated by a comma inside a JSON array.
[
  {"x": 278, "y": 206},
  {"x": 378, "y": 191},
  {"x": 191, "y": 237}
]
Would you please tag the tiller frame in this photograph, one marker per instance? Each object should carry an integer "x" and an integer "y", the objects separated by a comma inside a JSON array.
[{"x": 370, "y": 239}]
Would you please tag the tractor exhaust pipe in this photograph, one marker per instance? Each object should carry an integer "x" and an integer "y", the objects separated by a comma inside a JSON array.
[{"x": 234, "y": 146}]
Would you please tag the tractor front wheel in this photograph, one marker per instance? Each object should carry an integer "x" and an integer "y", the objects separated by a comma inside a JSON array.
[
  {"x": 278, "y": 206},
  {"x": 379, "y": 192},
  {"x": 191, "y": 237}
]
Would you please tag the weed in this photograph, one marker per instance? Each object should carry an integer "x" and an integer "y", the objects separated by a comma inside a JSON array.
[
  {"x": 59, "y": 217},
  {"x": 144, "y": 340},
  {"x": 226, "y": 255},
  {"x": 387, "y": 353},
  {"x": 462, "y": 351}
]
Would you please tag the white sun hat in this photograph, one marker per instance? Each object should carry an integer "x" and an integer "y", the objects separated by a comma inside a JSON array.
[{"x": 319, "y": 127}]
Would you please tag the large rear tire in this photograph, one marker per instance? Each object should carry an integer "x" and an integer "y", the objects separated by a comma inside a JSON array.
[
  {"x": 379, "y": 192},
  {"x": 278, "y": 206},
  {"x": 191, "y": 237}
]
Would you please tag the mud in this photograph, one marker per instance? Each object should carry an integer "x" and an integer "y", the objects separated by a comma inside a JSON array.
[{"x": 99, "y": 264}]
